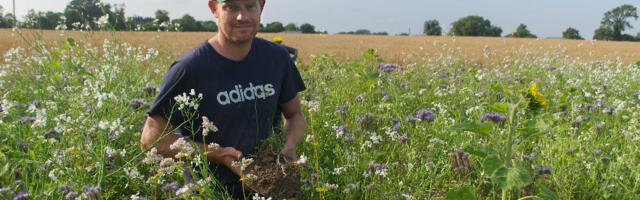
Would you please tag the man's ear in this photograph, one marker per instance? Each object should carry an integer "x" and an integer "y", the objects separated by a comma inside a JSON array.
[{"x": 212, "y": 7}]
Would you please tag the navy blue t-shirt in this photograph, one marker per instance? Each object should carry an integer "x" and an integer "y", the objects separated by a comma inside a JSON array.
[{"x": 241, "y": 98}]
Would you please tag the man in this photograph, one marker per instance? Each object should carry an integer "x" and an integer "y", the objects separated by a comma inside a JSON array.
[{"x": 247, "y": 84}]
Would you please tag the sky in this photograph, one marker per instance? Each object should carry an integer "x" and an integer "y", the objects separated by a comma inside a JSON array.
[{"x": 545, "y": 18}]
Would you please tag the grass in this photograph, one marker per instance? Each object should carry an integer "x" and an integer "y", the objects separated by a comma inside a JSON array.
[{"x": 68, "y": 121}]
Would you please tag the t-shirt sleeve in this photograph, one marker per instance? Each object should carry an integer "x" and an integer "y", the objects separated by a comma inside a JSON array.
[
  {"x": 173, "y": 84},
  {"x": 292, "y": 83}
]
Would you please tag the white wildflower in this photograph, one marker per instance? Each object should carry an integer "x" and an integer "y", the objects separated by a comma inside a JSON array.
[
  {"x": 185, "y": 148},
  {"x": 313, "y": 106},
  {"x": 309, "y": 138},
  {"x": 256, "y": 196},
  {"x": 152, "y": 156},
  {"x": 208, "y": 126},
  {"x": 302, "y": 159},
  {"x": 242, "y": 164},
  {"x": 213, "y": 146}
]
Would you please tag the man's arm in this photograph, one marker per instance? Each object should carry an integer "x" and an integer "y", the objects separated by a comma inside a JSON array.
[
  {"x": 153, "y": 131},
  {"x": 294, "y": 126}
]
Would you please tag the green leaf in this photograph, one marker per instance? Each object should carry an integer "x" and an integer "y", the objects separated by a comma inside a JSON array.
[
  {"x": 501, "y": 107},
  {"x": 546, "y": 193},
  {"x": 481, "y": 128},
  {"x": 491, "y": 164},
  {"x": 533, "y": 129},
  {"x": 511, "y": 178},
  {"x": 481, "y": 151},
  {"x": 638, "y": 63},
  {"x": 462, "y": 193}
]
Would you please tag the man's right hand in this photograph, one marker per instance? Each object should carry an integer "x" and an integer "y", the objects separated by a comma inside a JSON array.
[{"x": 225, "y": 156}]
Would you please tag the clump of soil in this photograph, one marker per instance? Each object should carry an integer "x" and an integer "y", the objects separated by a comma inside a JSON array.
[{"x": 277, "y": 178}]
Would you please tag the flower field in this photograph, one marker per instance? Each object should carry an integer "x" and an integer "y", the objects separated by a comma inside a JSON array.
[{"x": 437, "y": 127}]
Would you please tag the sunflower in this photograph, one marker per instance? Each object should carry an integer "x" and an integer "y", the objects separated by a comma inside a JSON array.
[
  {"x": 277, "y": 39},
  {"x": 536, "y": 98}
]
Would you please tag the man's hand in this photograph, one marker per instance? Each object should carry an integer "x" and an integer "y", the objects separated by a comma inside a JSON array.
[
  {"x": 225, "y": 156},
  {"x": 289, "y": 151}
]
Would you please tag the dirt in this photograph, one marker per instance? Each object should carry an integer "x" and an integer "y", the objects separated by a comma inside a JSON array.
[{"x": 277, "y": 178}]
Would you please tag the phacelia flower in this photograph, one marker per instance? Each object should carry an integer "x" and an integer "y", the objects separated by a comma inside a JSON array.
[
  {"x": 137, "y": 103},
  {"x": 494, "y": 117},
  {"x": 150, "y": 89},
  {"x": 426, "y": 115}
]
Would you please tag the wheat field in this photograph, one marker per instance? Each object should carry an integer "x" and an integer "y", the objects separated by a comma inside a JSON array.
[{"x": 397, "y": 49}]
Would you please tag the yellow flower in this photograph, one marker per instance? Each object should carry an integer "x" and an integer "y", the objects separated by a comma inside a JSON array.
[
  {"x": 277, "y": 39},
  {"x": 538, "y": 97}
]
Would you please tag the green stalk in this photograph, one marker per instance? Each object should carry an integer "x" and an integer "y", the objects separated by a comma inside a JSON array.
[{"x": 510, "y": 141}]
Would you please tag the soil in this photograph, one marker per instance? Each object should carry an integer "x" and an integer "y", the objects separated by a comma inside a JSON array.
[{"x": 277, "y": 179}]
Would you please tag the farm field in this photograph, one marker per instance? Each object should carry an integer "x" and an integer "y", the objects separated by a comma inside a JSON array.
[
  {"x": 396, "y": 49},
  {"x": 389, "y": 117}
]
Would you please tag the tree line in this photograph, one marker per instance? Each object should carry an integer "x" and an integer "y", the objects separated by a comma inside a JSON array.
[
  {"x": 96, "y": 15},
  {"x": 611, "y": 27}
]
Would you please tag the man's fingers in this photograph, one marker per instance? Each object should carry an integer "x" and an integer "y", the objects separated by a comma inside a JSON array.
[{"x": 230, "y": 151}]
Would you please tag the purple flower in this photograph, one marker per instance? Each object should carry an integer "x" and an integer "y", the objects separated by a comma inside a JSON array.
[
  {"x": 64, "y": 189},
  {"x": 342, "y": 128},
  {"x": 411, "y": 119},
  {"x": 426, "y": 115},
  {"x": 342, "y": 110},
  {"x": 403, "y": 85},
  {"x": 551, "y": 68},
  {"x": 18, "y": 182},
  {"x": 50, "y": 133},
  {"x": 150, "y": 89},
  {"x": 599, "y": 128},
  {"x": 170, "y": 187},
  {"x": 394, "y": 120},
  {"x": 531, "y": 156},
  {"x": 385, "y": 98},
  {"x": 387, "y": 67},
  {"x": 71, "y": 195},
  {"x": 597, "y": 152},
  {"x": 589, "y": 106},
  {"x": 609, "y": 110},
  {"x": 314, "y": 175},
  {"x": 137, "y": 103},
  {"x": 605, "y": 159},
  {"x": 403, "y": 138},
  {"x": 494, "y": 117},
  {"x": 543, "y": 170},
  {"x": 92, "y": 192},
  {"x": 21, "y": 195},
  {"x": 396, "y": 127},
  {"x": 4, "y": 190},
  {"x": 636, "y": 94},
  {"x": 349, "y": 137},
  {"x": 1, "y": 110},
  {"x": 36, "y": 103},
  {"x": 307, "y": 182},
  {"x": 27, "y": 119}
]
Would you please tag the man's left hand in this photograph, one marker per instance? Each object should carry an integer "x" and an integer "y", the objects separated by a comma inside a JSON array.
[{"x": 290, "y": 152}]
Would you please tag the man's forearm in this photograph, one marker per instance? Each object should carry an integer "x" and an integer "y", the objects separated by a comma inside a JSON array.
[{"x": 294, "y": 127}]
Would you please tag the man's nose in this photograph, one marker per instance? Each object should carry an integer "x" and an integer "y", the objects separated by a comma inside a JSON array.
[{"x": 242, "y": 15}]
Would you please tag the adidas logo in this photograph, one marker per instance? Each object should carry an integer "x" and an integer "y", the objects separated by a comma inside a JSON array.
[{"x": 240, "y": 94}]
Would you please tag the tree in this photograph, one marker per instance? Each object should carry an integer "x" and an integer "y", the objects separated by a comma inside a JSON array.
[
  {"x": 162, "y": 20},
  {"x": 85, "y": 13},
  {"x": 307, "y": 28},
  {"x": 274, "y": 27},
  {"x": 603, "y": 33},
  {"x": 638, "y": 37},
  {"x": 188, "y": 23},
  {"x": 474, "y": 26},
  {"x": 523, "y": 32},
  {"x": 6, "y": 20},
  {"x": 291, "y": 27},
  {"x": 117, "y": 18},
  {"x": 139, "y": 23},
  {"x": 572, "y": 33},
  {"x": 432, "y": 27},
  {"x": 380, "y": 33},
  {"x": 617, "y": 19},
  {"x": 209, "y": 26},
  {"x": 362, "y": 32}
]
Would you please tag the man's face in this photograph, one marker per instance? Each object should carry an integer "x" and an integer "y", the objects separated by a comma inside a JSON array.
[{"x": 238, "y": 20}]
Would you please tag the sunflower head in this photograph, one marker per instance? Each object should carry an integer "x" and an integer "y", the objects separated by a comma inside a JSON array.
[
  {"x": 277, "y": 39},
  {"x": 536, "y": 99}
]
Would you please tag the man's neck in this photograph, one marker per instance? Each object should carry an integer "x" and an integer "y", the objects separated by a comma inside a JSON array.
[{"x": 230, "y": 50}]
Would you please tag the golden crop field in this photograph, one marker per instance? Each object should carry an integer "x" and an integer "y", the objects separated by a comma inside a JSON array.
[{"x": 396, "y": 49}]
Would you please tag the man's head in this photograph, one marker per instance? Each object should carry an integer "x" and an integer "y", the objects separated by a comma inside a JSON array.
[{"x": 238, "y": 20}]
